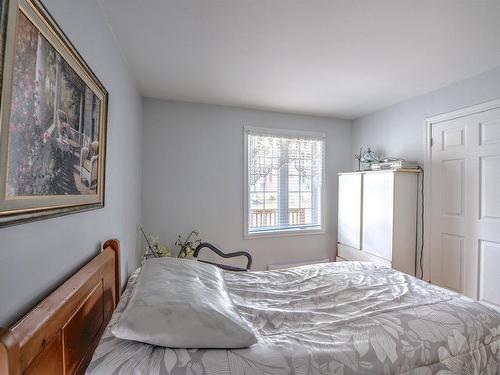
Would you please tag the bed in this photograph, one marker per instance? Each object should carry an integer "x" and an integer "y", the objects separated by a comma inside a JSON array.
[
  {"x": 60, "y": 334},
  {"x": 334, "y": 318}
]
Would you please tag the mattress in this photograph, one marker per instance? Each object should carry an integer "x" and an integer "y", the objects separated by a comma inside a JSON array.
[{"x": 334, "y": 318}]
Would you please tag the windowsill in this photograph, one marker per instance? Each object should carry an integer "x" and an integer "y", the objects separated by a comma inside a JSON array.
[{"x": 283, "y": 233}]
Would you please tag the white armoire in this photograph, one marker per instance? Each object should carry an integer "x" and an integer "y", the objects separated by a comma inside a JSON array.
[{"x": 378, "y": 218}]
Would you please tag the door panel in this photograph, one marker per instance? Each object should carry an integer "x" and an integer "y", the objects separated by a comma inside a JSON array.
[
  {"x": 489, "y": 276},
  {"x": 465, "y": 205},
  {"x": 453, "y": 186},
  {"x": 490, "y": 132},
  {"x": 452, "y": 172},
  {"x": 490, "y": 183},
  {"x": 349, "y": 221},
  {"x": 453, "y": 138},
  {"x": 451, "y": 267},
  {"x": 378, "y": 200}
]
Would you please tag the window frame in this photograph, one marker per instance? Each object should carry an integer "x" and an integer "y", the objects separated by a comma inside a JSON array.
[{"x": 285, "y": 231}]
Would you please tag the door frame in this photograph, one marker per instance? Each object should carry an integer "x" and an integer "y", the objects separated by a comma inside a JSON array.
[{"x": 428, "y": 123}]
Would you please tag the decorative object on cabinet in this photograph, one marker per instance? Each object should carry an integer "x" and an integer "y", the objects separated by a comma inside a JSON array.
[
  {"x": 369, "y": 157},
  {"x": 394, "y": 163},
  {"x": 53, "y": 120},
  {"x": 378, "y": 217},
  {"x": 359, "y": 157}
]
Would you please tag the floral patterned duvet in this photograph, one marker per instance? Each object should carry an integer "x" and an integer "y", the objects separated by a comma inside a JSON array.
[{"x": 334, "y": 318}]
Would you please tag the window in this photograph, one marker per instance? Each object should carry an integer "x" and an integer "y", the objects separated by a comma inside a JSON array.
[{"x": 284, "y": 181}]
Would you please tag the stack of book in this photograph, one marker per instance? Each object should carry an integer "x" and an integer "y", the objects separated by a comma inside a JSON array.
[{"x": 394, "y": 164}]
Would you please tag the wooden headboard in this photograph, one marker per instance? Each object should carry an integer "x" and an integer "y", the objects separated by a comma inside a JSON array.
[{"x": 61, "y": 333}]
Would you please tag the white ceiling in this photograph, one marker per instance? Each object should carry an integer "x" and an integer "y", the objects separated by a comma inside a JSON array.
[{"x": 325, "y": 57}]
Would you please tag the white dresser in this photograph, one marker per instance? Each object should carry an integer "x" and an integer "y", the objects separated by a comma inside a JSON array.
[{"x": 378, "y": 217}]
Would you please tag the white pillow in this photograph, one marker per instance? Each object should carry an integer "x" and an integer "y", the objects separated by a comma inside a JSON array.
[{"x": 182, "y": 303}]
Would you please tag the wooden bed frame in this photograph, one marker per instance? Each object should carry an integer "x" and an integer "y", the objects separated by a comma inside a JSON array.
[{"x": 61, "y": 333}]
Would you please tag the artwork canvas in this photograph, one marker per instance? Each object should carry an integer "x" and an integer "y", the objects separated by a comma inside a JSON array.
[{"x": 53, "y": 120}]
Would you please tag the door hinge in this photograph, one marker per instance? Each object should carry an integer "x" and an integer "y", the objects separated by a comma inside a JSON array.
[{"x": 432, "y": 142}]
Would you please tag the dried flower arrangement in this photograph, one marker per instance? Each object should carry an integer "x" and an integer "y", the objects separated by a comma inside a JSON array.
[
  {"x": 188, "y": 246},
  {"x": 154, "y": 248}
]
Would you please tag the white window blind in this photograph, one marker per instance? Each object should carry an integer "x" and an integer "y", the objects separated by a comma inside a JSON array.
[{"x": 284, "y": 180}]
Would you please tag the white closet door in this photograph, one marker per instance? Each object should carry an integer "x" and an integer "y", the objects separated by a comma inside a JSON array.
[
  {"x": 349, "y": 225},
  {"x": 452, "y": 175},
  {"x": 378, "y": 201},
  {"x": 465, "y": 205}
]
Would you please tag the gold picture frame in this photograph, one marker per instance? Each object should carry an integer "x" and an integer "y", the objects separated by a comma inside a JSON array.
[{"x": 53, "y": 118}]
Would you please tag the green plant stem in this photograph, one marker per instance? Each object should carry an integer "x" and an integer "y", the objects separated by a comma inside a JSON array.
[{"x": 147, "y": 241}]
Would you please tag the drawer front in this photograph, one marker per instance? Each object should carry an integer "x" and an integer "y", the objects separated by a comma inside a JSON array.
[
  {"x": 378, "y": 201},
  {"x": 351, "y": 254},
  {"x": 349, "y": 217}
]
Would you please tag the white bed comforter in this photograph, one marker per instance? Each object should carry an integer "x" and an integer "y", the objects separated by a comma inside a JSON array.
[{"x": 335, "y": 318}]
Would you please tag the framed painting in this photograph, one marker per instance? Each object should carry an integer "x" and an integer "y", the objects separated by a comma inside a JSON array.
[{"x": 52, "y": 122}]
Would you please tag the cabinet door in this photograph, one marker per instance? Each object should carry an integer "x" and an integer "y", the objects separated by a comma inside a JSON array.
[
  {"x": 349, "y": 222},
  {"x": 378, "y": 201}
]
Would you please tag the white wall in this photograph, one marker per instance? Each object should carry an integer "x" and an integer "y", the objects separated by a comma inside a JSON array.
[
  {"x": 399, "y": 130},
  {"x": 35, "y": 258},
  {"x": 193, "y": 177}
]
